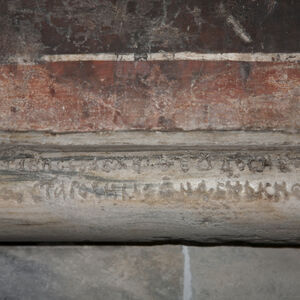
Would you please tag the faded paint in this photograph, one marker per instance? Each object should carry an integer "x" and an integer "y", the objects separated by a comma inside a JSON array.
[
  {"x": 150, "y": 95},
  {"x": 236, "y": 26}
]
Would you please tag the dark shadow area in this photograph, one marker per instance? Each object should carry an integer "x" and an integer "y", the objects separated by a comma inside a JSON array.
[{"x": 156, "y": 243}]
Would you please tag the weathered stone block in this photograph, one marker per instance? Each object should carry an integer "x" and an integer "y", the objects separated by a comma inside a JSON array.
[{"x": 202, "y": 187}]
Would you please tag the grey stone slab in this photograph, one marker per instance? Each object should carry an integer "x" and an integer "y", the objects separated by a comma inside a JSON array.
[
  {"x": 244, "y": 273},
  {"x": 157, "y": 272},
  {"x": 91, "y": 272}
]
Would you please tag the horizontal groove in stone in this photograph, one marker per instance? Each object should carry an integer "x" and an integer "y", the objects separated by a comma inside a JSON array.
[{"x": 155, "y": 140}]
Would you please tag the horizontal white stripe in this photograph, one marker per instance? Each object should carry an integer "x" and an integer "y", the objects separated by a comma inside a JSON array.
[
  {"x": 166, "y": 56},
  {"x": 162, "y": 56}
]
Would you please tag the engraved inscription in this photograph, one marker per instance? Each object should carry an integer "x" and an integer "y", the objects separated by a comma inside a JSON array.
[
  {"x": 66, "y": 190},
  {"x": 189, "y": 177},
  {"x": 229, "y": 163}
]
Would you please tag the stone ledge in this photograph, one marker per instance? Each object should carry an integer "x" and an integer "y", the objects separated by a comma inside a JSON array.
[{"x": 134, "y": 186}]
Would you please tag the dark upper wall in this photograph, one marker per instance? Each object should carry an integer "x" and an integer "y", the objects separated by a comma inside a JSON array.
[{"x": 33, "y": 28}]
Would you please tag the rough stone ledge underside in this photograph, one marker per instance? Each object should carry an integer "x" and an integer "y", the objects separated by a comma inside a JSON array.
[{"x": 150, "y": 186}]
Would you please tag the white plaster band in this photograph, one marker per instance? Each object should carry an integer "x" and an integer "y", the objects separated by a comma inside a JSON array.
[
  {"x": 161, "y": 56},
  {"x": 169, "y": 56}
]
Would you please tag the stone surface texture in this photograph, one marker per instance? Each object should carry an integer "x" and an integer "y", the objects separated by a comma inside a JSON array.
[
  {"x": 225, "y": 273},
  {"x": 91, "y": 273},
  {"x": 160, "y": 272},
  {"x": 193, "y": 187}
]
